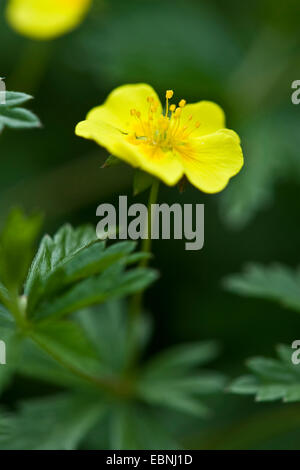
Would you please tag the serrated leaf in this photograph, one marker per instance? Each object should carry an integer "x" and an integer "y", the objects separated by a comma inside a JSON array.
[
  {"x": 113, "y": 283},
  {"x": 52, "y": 423},
  {"x": 66, "y": 243},
  {"x": 275, "y": 282},
  {"x": 272, "y": 380}
]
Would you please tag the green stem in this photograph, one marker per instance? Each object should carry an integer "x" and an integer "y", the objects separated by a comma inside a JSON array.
[{"x": 137, "y": 300}]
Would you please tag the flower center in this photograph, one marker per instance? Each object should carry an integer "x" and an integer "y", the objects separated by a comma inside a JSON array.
[{"x": 167, "y": 131}]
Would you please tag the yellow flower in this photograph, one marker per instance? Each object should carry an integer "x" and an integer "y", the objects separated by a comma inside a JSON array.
[
  {"x": 45, "y": 19},
  {"x": 188, "y": 139}
]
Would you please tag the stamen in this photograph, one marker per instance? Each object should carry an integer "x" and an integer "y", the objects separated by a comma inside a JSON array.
[
  {"x": 182, "y": 103},
  {"x": 169, "y": 94}
]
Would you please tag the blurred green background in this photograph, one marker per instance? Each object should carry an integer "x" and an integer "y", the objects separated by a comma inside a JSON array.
[{"x": 242, "y": 55}]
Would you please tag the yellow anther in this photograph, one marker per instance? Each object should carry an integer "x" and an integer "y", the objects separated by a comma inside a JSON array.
[
  {"x": 169, "y": 94},
  {"x": 177, "y": 112},
  {"x": 172, "y": 108},
  {"x": 182, "y": 103}
]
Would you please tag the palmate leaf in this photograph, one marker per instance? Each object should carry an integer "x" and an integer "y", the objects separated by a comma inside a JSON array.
[
  {"x": 275, "y": 282},
  {"x": 172, "y": 379},
  {"x": 271, "y": 379},
  {"x": 75, "y": 270},
  {"x": 52, "y": 423},
  {"x": 15, "y": 117}
]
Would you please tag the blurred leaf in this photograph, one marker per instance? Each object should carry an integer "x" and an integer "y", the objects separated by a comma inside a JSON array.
[
  {"x": 66, "y": 343},
  {"x": 18, "y": 118},
  {"x": 52, "y": 423},
  {"x": 14, "y": 98},
  {"x": 6, "y": 320},
  {"x": 141, "y": 181},
  {"x": 16, "y": 247},
  {"x": 13, "y": 344},
  {"x": 170, "y": 380},
  {"x": 182, "y": 358},
  {"x": 36, "y": 363},
  {"x": 276, "y": 282},
  {"x": 272, "y": 379},
  {"x": 111, "y": 161},
  {"x": 135, "y": 428},
  {"x": 109, "y": 328},
  {"x": 253, "y": 188}
]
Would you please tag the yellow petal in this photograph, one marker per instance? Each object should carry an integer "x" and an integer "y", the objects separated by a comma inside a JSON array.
[
  {"x": 164, "y": 165},
  {"x": 209, "y": 115},
  {"x": 116, "y": 109},
  {"x": 214, "y": 159},
  {"x": 45, "y": 19}
]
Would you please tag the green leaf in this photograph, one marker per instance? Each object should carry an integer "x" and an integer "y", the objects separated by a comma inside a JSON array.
[
  {"x": 18, "y": 118},
  {"x": 37, "y": 364},
  {"x": 275, "y": 282},
  {"x": 114, "y": 336},
  {"x": 53, "y": 252},
  {"x": 13, "y": 350},
  {"x": 272, "y": 379},
  {"x": 141, "y": 181},
  {"x": 113, "y": 283},
  {"x": 16, "y": 247},
  {"x": 111, "y": 161},
  {"x": 170, "y": 380},
  {"x": 52, "y": 423},
  {"x": 6, "y": 319},
  {"x": 14, "y": 98},
  {"x": 135, "y": 427},
  {"x": 66, "y": 342},
  {"x": 182, "y": 358},
  {"x": 107, "y": 328}
]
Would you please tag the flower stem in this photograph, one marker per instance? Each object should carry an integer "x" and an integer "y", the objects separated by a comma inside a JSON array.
[{"x": 137, "y": 300}]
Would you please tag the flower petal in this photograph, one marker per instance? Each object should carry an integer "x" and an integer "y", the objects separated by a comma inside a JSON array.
[
  {"x": 116, "y": 109},
  {"x": 215, "y": 158},
  {"x": 164, "y": 165},
  {"x": 209, "y": 115},
  {"x": 45, "y": 19}
]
